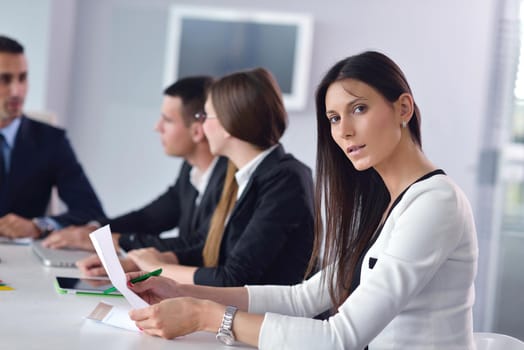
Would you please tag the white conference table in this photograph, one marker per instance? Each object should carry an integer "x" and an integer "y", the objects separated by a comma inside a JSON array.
[{"x": 36, "y": 316}]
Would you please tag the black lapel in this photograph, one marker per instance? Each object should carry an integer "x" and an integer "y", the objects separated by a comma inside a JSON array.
[{"x": 267, "y": 164}]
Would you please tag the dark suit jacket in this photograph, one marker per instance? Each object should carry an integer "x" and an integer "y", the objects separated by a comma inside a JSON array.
[
  {"x": 269, "y": 236},
  {"x": 41, "y": 158},
  {"x": 174, "y": 208}
]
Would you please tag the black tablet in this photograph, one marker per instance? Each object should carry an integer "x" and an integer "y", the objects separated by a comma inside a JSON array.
[{"x": 86, "y": 285}]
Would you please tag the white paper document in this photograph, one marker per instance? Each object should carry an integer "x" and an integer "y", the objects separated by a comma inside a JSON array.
[
  {"x": 105, "y": 249},
  {"x": 114, "y": 316}
]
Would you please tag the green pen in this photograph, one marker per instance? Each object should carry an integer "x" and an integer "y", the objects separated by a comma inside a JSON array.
[{"x": 137, "y": 279}]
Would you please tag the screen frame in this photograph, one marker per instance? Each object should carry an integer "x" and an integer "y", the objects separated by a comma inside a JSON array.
[
  {"x": 296, "y": 99},
  {"x": 63, "y": 285}
]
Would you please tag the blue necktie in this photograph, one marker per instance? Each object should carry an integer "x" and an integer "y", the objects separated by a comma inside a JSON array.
[{"x": 2, "y": 160}]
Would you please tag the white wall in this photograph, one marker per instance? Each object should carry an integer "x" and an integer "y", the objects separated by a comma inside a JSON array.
[
  {"x": 28, "y": 22},
  {"x": 112, "y": 53},
  {"x": 443, "y": 47},
  {"x": 60, "y": 53}
]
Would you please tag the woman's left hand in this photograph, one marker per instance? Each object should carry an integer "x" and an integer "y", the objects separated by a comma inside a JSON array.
[
  {"x": 175, "y": 317},
  {"x": 150, "y": 258}
]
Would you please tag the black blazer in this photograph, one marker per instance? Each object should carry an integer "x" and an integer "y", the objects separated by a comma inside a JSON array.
[
  {"x": 41, "y": 158},
  {"x": 269, "y": 236},
  {"x": 174, "y": 208}
]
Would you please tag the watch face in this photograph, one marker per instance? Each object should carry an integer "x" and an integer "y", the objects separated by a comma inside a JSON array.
[
  {"x": 42, "y": 225},
  {"x": 225, "y": 337}
]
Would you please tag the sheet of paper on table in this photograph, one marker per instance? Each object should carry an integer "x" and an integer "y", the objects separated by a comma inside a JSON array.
[{"x": 104, "y": 312}]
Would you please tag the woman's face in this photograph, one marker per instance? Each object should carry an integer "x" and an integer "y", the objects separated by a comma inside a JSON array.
[
  {"x": 364, "y": 124},
  {"x": 215, "y": 132}
]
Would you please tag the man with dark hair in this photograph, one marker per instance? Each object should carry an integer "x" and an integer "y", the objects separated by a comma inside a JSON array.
[
  {"x": 34, "y": 158},
  {"x": 188, "y": 204}
]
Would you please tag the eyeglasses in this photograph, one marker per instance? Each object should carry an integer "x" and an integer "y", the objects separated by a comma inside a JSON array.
[{"x": 202, "y": 116}]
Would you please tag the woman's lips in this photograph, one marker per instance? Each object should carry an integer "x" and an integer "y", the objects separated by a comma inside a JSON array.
[{"x": 352, "y": 150}]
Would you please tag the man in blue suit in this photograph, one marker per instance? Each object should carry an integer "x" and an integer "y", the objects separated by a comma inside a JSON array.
[{"x": 34, "y": 158}]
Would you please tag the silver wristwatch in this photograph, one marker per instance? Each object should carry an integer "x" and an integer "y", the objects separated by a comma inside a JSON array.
[
  {"x": 43, "y": 226},
  {"x": 225, "y": 332}
]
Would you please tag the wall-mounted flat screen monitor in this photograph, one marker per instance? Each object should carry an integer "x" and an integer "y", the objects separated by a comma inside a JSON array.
[{"x": 213, "y": 41}]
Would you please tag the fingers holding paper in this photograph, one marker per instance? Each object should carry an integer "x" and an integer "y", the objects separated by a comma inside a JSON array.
[
  {"x": 154, "y": 289},
  {"x": 169, "y": 318}
]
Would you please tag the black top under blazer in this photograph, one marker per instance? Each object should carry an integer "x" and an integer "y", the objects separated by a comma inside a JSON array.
[
  {"x": 42, "y": 158},
  {"x": 269, "y": 236},
  {"x": 174, "y": 208}
]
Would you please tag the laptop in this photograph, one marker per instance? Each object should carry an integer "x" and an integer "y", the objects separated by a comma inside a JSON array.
[
  {"x": 58, "y": 257},
  {"x": 17, "y": 241}
]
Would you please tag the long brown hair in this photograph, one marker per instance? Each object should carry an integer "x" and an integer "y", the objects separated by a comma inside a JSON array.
[
  {"x": 249, "y": 106},
  {"x": 354, "y": 200},
  {"x": 227, "y": 200}
]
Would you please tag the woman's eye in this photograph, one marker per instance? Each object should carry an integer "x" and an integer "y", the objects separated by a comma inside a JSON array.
[
  {"x": 334, "y": 119},
  {"x": 359, "y": 109}
]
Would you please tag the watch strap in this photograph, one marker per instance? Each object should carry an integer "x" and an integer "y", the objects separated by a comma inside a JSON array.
[
  {"x": 225, "y": 332},
  {"x": 43, "y": 225}
]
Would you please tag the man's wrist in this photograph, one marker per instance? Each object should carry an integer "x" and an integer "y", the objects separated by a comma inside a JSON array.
[{"x": 43, "y": 226}]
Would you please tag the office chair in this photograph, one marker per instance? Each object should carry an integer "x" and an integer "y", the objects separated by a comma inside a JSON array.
[{"x": 497, "y": 341}]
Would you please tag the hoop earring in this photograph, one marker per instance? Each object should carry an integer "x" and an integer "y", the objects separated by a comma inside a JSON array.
[{"x": 404, "y": 124}]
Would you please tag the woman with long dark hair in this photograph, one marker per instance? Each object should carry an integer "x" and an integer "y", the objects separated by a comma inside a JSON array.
[{"x": 400, "y": 249}]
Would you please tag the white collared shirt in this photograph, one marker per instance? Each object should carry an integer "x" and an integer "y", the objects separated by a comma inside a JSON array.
[
  {"x": 244, "y": 174},
  {"x": 200, "y": 179}
]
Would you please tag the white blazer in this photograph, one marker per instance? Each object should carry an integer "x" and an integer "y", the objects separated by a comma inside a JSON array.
[{"x": 418, "y": 294}]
